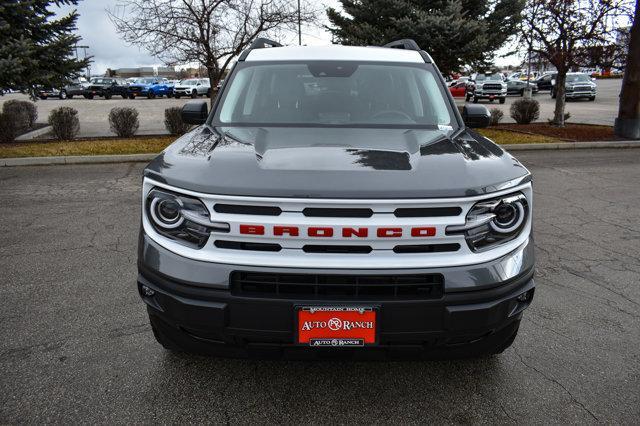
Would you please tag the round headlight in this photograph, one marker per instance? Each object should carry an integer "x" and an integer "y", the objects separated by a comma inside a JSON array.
[
  {"x": 509, "y": 217},
  {"x": 166, "y": 212}
]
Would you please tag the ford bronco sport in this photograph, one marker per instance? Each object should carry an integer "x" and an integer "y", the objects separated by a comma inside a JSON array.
[{"x": 334, "y": 202}]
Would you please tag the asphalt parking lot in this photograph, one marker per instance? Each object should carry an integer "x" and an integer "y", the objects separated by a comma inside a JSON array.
[
  {"x": 602, "y": 111},
  {"x": 93, "y": 113},
  {"x": 75, "y": 344}
]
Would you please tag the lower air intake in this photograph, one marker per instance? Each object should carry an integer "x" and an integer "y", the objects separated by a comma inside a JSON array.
[{"x": 335, "y": 287}]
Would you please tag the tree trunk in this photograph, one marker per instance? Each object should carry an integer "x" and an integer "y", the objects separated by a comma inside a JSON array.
[
  {"x": 628, "y": 121},
  {"x": 214, "y": 76},
  {"x": 558, "y": 114}
]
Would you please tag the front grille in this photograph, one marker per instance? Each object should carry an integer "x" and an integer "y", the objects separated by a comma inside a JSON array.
[
  {"x": 244, "y": 245},
  {"x": 491, "y": 87},
  {"x": 243, "y": 209},
  {"x": 336, "y": 212},
  {"x": 331, "y": 287},
  {"x": 582, "y": 88},
  {"x": 428, "y": 212}
]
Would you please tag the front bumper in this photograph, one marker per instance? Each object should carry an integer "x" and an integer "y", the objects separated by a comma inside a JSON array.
[
  {"x": 490, "y": 94},
  {"x": 182, "y": 91},
  {"x": 580, "y": 94},
  {"x": 192, "y": 303}
]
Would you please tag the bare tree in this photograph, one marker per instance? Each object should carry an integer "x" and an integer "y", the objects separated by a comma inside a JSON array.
[
  {"x": 559, "y": 29},
  {"x": 209, "y": 32},
  {"x": 628, "y": 121}
]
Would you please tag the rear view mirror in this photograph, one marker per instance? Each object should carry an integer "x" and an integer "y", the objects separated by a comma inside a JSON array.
[
  {"x": 195, "y": 112},
  {"x": 476, "y": 116}
]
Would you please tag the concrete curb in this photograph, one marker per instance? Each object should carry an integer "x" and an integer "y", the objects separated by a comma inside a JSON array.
[
  {"x": 79, "y": 159},
  {"x": 34, "y": 134},
  {"x": 130, "y": 158},
  {"x": 571, "y": 145}
]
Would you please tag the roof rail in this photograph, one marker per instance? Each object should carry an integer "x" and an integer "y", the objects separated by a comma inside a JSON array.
[
  {"x": 259, "y": 43},
  {"x": 409, "y": 44},
  {"x": 405, "y": 43}
]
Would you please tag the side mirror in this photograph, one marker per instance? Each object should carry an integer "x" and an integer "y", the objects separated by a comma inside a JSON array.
[
  {"x": 195, "y": 112},
  {"x": 476, "y": 116}
]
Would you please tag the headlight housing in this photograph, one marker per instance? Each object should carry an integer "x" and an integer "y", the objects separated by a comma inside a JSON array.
[
  {"x": 493, "y": 222},
  {"x": 181, "y": 218}
]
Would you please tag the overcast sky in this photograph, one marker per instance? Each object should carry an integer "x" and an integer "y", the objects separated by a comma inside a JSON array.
[{"x": 109, "y": 51}]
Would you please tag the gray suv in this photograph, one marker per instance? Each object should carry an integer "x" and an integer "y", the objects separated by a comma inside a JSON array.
[{"x": 335, "y": 203}]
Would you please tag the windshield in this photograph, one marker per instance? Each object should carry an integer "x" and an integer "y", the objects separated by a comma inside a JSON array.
[
  {"x": 189, "y": 82},
  {"x": 577, "y": 77},
  {"x": 335, "y": 93},
  {"x": 101, "y": 80}
]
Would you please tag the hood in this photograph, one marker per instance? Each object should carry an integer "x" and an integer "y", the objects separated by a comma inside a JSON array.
[{"x": 334, "y": 163}]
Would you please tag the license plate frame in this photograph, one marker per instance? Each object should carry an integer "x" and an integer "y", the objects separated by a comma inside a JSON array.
[{"x": 321, "y": 335}]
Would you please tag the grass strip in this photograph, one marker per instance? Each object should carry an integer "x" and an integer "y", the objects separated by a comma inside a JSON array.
[{"x": 111, "y": 146}]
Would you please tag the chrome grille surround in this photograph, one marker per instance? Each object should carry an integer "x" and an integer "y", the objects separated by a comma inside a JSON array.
[{"x": 382, "y": 255}]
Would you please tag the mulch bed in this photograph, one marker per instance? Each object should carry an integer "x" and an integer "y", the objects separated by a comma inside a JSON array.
[{"x": 571, "y": 132}]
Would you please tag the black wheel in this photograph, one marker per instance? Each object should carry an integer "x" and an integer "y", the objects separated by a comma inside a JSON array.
[
  {"x": 107, "y": 95},
  {"x": 132, "y": 96},
  {"x": 194, "y": 94},
  {"x": 475, "y": 99},
  {"x": 177, "y": 96},
  {"x": 89, "y": 96},
  {"x": 150, "y": 95},
  {"x": 63, "y": 94},
  {"x": 43, "y": 97},
  {"x": 86, "y": 96},
  {"x": 592, "y": 98},
  {"x": 170, "y": 95},
  {"x": 502, "y": 100}
]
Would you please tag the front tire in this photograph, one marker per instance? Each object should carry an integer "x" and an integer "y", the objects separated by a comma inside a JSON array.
[
  {"x": 475, "y": 99},
  {"x": 194, "y": 94},
  {"x": 150, "y": 95},
  {"x": 132, "y": 97},
  {"x": 63, "y": 95},
  {"x": 107, "y": 95},
  {"x": 592, "y": 98}
]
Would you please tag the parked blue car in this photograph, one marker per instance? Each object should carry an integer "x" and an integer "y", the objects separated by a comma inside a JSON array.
[{"x": 150, "y": 87}]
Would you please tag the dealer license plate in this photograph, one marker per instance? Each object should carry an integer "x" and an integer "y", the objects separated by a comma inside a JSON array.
[{"x": 337, "y": 326}]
